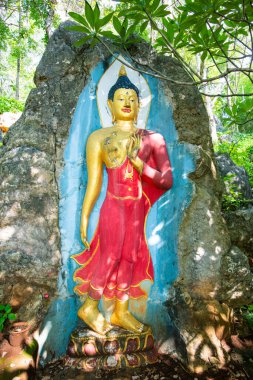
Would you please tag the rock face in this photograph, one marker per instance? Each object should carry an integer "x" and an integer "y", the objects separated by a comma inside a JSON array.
[
  {"x": 240, "y": 226},
  {"x": 235, "y": 176},
  {"x": 31, "y": 163}
]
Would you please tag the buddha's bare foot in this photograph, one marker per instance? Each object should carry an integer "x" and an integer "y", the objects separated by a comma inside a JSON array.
[
  {"x": 90, "y": 314},
  {"x": 127, "y": 321}
]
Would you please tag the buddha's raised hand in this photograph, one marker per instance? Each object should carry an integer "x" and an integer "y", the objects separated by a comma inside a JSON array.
[
  {"x": 133, "y": 149},
  {"x": 133, "y": 145}
]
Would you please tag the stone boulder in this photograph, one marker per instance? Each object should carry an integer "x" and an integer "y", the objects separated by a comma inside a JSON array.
[
  {"x": 240, "y": 226},
  {"x": 235, "y": 177}
]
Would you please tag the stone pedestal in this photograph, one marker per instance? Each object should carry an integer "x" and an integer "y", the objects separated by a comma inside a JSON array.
[{"x": 118, "y": 349}]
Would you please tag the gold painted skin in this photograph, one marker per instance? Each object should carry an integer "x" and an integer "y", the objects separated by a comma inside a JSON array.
[{"x": 110, "y": 146}]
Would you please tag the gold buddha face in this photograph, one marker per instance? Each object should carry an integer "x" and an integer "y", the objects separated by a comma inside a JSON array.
[{"x": 125, "y": 105}]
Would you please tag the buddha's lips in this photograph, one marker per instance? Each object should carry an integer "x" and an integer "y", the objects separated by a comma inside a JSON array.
[{"x": 128, "y": 110}]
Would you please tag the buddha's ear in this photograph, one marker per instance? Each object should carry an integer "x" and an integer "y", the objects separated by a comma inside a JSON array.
[{"x": 109, "y": 102}]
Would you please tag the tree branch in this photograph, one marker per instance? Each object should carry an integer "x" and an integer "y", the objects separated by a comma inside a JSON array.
[
  {"x": 226, "y": 79},
  {"x": 173, "y": 50},
  {"x": 245, "y": 122},
  {"x": 236, "y": 38},
  {"x": 221, "y": 48},
  {"x": 160, "y": 76},
  {"x": 225, "y": 96},
  {"x": 224, "y": 53},
  {"x": 232, "y": 19},
  {"x": 251, "y": 38}
]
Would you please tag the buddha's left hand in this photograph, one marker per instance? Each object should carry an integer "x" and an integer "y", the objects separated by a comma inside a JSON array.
[{"x": 133, "y": 149}]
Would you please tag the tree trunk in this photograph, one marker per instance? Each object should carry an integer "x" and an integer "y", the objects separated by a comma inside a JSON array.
[
  {"x": 50, "y": 18},
  {"x": 18, "y": 58},
  {"x": 212, "y": 121}
]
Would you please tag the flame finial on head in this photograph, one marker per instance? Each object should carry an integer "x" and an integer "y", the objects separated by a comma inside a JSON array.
[{"x": 122, "y": 71}]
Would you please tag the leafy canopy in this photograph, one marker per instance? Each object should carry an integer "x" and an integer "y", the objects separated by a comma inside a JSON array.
[{"x": 217, "y": 30}]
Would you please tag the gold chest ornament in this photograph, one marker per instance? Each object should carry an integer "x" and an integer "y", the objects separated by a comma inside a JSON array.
[{"x": 129, "y": 174}]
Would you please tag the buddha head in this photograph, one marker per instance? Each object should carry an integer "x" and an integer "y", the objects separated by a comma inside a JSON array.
[{"x": 123, "y": 99}]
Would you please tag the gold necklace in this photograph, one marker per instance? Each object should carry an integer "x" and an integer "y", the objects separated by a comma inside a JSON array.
[{"x": 129, "y": 174}]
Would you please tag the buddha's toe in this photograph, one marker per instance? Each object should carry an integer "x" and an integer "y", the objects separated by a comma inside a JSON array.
[{"x": 108, "y": 327}]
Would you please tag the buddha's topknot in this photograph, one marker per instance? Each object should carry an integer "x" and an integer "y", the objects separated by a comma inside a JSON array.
[{"x": 122, "y": 82}]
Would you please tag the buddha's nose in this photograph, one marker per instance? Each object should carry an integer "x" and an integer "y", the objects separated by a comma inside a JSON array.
[{"x": 127, "y": 103}]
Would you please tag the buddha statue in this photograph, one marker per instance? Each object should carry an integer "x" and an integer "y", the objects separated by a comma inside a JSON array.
[{"x": 117, "y": 260}]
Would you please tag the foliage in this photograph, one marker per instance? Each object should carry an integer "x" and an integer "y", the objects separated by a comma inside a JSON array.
[
  {"x": 10, "y": 105},
  {"x": 240, "y": 148},
  {"x": 237, "y": 116},
  {"x": 6, "y": 314},
  {"x": 21, "y": 23},
  {"x": 209, "y": 28},
  {"x": 233, "y": 198},
  {"x": 213, "y": 40},
  {"x": 247, "y": 313}
]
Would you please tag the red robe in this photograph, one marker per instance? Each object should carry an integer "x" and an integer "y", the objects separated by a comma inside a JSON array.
[{"x": 119, "y": 259}]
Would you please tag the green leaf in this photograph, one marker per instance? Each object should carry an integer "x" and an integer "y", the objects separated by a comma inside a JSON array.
[
  {"x": 170, "y": 33},
  {"x": 177, "y": 39},
  {"x": 2, "y": 307},
  {"x": 137, "y": 16},
  {"x": 131, "y": 30},
  {"x": 228, "y": 111},
  {"x": 154, "y": 5},
  {"x": 94, "y": 42},
  {"x": 105, "y": 20},
  {"x": 109, "y": 34},
  {"x": 89, "y": 14},
  {"x": 161, "y": 12},
  {"x": 183, "y": 16},
  {"x": 8, "y": 308},
  {"x": 82, "y": 41},
  {"x": 132, "y": 41},
  {"x": 125, "y": 23},
  {"x": 144, "y": 26},
  {"x": 78, "y": 28},
  {"x": 132, "y": 9},
  {"x": 12, "y": 317},
  {"x": 78, "y": 18},
  {"x": 96, "y": 13},
  {"x": 160, "y": 41},
  {"x": 123, "y": 33},
  {"x": 116, "y": 24}
]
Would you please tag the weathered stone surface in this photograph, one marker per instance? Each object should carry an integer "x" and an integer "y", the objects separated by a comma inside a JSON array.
[
  {"x": 238, "y": 177},
  {"x": 203, "y": 324},
  {"x": 240, "y": 226},
  {"x": 30, "y": 166},
  {"x": 203, "y": 245},
  {"x": 237, "y": 279}
]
